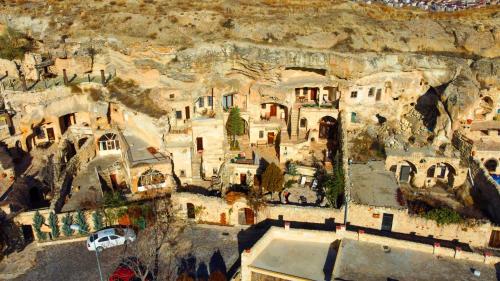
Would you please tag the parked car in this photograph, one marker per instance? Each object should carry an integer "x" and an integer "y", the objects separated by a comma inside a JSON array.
[
  {"x": 124, "y": 272},
  {"x": 110, "y": 237}
]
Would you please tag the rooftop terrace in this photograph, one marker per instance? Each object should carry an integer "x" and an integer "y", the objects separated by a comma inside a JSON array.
[{"x": 373, "y": 185}]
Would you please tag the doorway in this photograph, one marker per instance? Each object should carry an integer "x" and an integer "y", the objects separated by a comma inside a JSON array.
[
  {"x": 114, "y": 181},
  {"x": 50, "y": 134},
  {"x": 274, "y": 110},
  {"x": 243, "y": 179},
  {"x": 246, "y": 216},
  {"x": 188, "y": 113},
  {"x": 495, "y": 239},
  {"x": 270, "y": 138},
  {"x": 314, "y": 94},
  {"x": 190, "y": 211},
  {"x": 387, "y": 222},
  {"x": 404, "y": 174},
  {"x": 199, "y": 144}
]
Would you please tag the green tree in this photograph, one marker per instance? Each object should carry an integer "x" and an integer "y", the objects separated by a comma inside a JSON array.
[
  {"x": 38, "y": 221},
  {"x": 97, "y": 220},
  {"x": 82, "y": 222},
  {"x": 334, "y": 185},
  {"x": 54, "y": 225},
  {"x": 235, "y": 125},
  {"x": 273, "y": 179},
  {"x": 67, "y": 221}
]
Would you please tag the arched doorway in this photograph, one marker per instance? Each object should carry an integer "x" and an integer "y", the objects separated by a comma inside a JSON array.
[
  {"x": 151, "y": 179},
  {"x": 491, "y": 165},
  {"x": 406, "y": 171},
  {"x": 191, "y": 214},
  {"x": 327, "y": 128},
  {"x": 443, "y": 172},
  {"x": 246, "y": 216}
]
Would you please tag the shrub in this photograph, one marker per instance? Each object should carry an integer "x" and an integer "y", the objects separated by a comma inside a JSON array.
[
  {"x": 444, "y": 216},
  {"x": 114, "y": 199},
  {"x": 38, "y": 221},
  {"x": 82, "y": 222},
  {"x": 97, "y": 220},
  {"x": 54, "y": 225},
  {"x": 13, "y": 44},
  {"x": 334, "y": 185},
  {"x": 67, "y": 222}
]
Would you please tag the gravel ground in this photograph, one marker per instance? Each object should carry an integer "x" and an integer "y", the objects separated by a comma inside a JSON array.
[{"x": 213, "y": 248}]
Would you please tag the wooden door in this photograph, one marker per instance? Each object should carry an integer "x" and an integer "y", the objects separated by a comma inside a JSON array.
[
  {"x": 223, "y": 218},
  {"x": 114, "y": 181},
  {"x": 188, "y": 113},
  {"x": 495, "y": 239},
  {"x": 249, "y": 216},
  {"x": 314, "y": 94},
  {"x": 270, "y": 138},
  {"x": 50, "y": 134},
  {"x": 404, "y": 174},
  {"x": 274, "y": 110},
  {"x": 243, "y": 179},
  {"x": 199, "y": 144}
]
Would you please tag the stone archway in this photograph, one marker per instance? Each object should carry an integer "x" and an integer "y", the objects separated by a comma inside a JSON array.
[
  {"x": 406, "y": 170},
  {"x": 327, "y": 127},
  {"x": 443, "y": 172}
]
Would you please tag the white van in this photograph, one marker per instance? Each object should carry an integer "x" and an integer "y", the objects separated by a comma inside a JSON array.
[{"x": 110, "y": 237}]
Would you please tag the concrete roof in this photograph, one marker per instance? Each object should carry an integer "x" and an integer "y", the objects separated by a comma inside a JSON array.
[
  {"x": 139, "y": 153},
  {"x": 359, "y": 260},
  {"x": 373, "y": 185},
  {"x": 302, "y": 259}
]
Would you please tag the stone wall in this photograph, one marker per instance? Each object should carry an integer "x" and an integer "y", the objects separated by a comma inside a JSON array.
[
  {"x": 484, "y": 189},
  {"x": 210, "y": 209},
  {"x": 477, "y": 235}
]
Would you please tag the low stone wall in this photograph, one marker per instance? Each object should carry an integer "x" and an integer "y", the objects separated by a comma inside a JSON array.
[
  {"x": 371, "y": 217},
  {"x": 212, "y": 209},
  {"x": 26, "y": 218}
]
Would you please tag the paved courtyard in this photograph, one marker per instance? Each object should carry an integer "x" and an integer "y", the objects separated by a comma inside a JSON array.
[{"x": 212, "y": 247}]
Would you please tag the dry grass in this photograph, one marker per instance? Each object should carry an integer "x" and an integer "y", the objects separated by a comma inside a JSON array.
[{"x": 131, "y": 95}]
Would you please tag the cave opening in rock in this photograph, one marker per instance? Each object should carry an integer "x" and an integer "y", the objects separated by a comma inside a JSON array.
[{"x": 427, "y": 105}]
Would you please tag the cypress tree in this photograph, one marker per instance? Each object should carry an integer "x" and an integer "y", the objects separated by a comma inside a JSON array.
[
  {"x": 67, "y": 222},
  {"x": 54, "y": 225}
]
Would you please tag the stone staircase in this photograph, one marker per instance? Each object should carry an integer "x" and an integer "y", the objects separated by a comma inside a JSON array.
[
  {"x": 294, "y": 120},
  {"x": 196, "y": 165}
]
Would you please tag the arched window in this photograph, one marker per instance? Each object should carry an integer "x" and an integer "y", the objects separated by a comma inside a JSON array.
[
  {"x": 109, "y": 141},
  {"x": 151, "y": 179}
]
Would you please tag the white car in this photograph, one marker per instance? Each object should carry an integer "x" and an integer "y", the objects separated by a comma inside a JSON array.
[{"x": 110, "y": 237}]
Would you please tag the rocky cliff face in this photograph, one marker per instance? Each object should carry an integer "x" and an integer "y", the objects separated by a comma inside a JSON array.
[{"x": 169, "y": 46}]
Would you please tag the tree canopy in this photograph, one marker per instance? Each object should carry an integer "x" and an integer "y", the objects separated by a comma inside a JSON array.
[
  {"x": 272, "y": 178},
  {"x": 235, "y": 124}
]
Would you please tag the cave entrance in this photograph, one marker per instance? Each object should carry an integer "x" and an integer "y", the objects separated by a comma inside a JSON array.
[{"x": 427, "y": 105}]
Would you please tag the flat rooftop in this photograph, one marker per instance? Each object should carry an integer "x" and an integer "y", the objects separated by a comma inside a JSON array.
[
  {"x": 426, "y": 151},
  {"x": 303, "y": 259},
  {"x": 358, "y": 260},
  {"x": 487, "y": 145},
  {"x": 373, "y": 185},
  {"x": 140, "y": 152}
]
